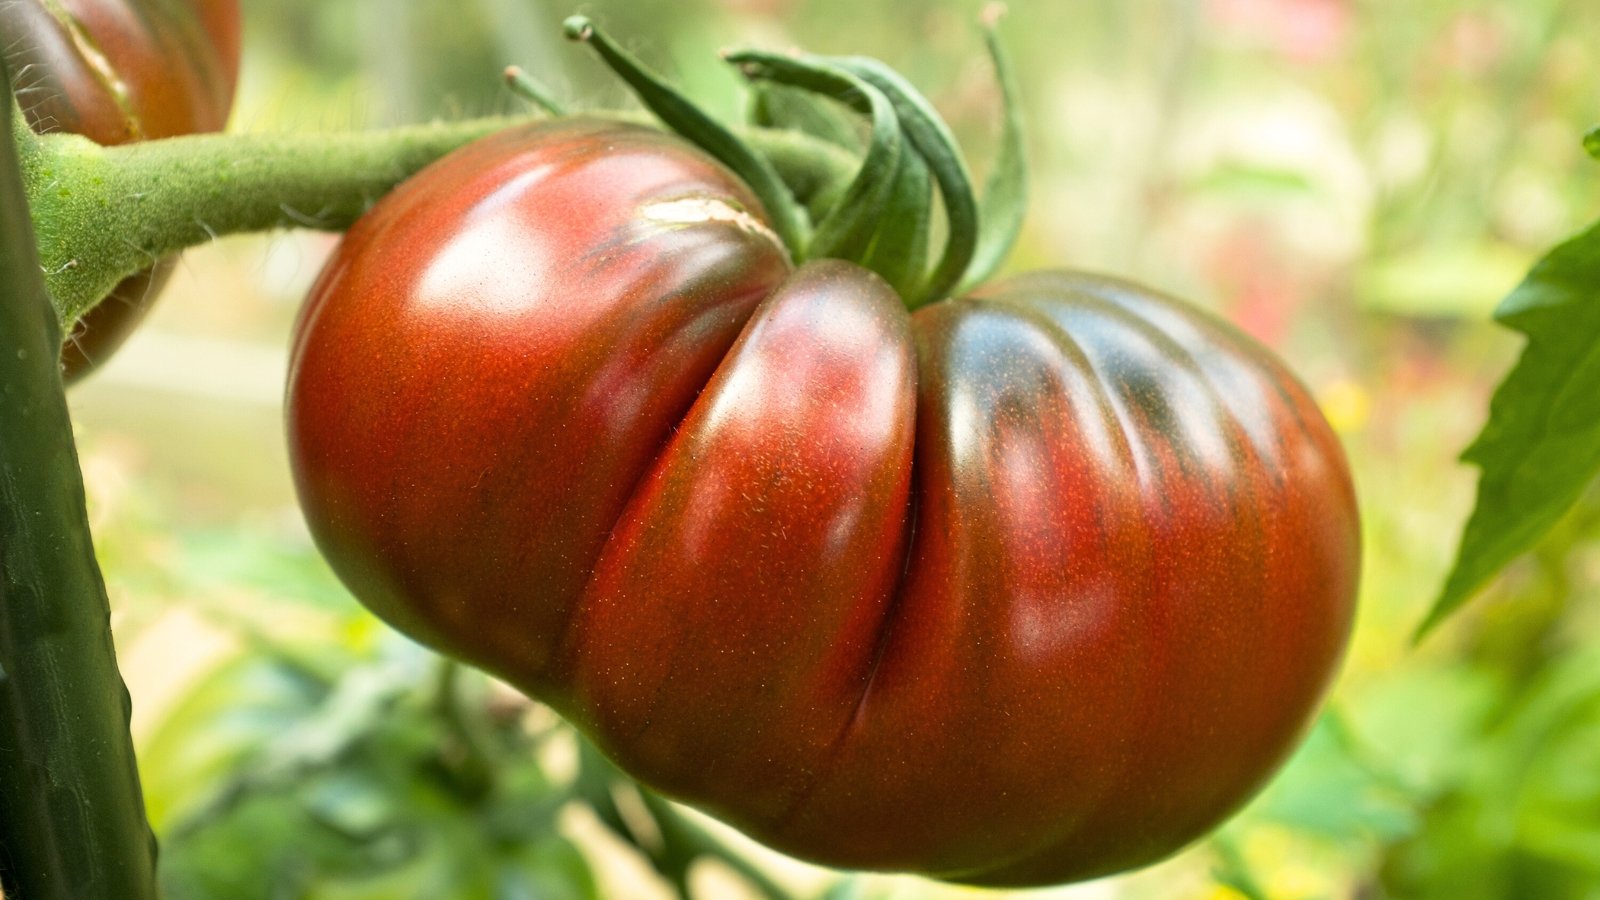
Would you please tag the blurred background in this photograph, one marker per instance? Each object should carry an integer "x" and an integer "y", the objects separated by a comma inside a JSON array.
[{"x": 1354, "y": 182}]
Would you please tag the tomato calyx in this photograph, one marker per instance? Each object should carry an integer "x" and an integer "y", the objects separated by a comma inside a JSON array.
[
  {"x": 882, "y": 218},
  {"x": 691, "y": 122},
  {"x": 530, "y": 89}
]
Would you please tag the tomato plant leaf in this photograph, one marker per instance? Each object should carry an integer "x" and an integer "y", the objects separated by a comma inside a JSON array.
[
  {"x": 1591, "y": 142},
  {"x": 1541, "y": 445},
  {"x": 209, "y": 734},
  {"x": 1527, "y": 793}
]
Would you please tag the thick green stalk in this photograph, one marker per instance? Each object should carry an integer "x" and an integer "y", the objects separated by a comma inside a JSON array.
[
  {"x": 104, "y": 213},
  {"x": 72, "y": 823}
]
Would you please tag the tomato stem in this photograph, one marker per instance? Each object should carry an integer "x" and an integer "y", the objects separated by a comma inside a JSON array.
[
  {"x": 104, "y": 213},
  {"x": 679, "y": 843},
  {"x": 472, "y": 764},
  {"x": 72, "y": 821}
]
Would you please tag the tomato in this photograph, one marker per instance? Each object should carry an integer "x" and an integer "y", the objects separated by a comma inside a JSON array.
[
  {"x": 117, "y": 72},
  {"x": 1028, "y": 586}
]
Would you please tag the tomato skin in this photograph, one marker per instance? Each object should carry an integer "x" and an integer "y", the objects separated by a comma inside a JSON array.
[
  {"x": 117, "y": 71},
  {"x": 1028, "y": 587},
  {"x": 1133, "y": 575},
  {"x": 490, "y": 361},
  {"x": 731, "y": 623}
]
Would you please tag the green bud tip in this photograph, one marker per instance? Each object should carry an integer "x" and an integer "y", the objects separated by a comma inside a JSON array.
[{"x": 578, "y": 28}]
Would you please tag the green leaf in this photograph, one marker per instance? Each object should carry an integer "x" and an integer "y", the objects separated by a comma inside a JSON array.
[
  {"x": 1426, "y": 755},
  {"x": 214, "y": 560},
  {"x": 1330, "y": 788},
  {"x": 1591, "y": 142},
  {"x": 549, "y": 869},
  {"x": 233, "y": 712},
  {"x": 1233, "y": 871},
  {"x": 1541, "y": 445},
  {"x": 355, "y": 791},
  {"x": 1525, "y": 819}
]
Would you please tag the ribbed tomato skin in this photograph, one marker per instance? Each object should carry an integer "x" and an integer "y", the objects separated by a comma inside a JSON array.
[
  {"x": 491, "y": 359},
  {"x": 1027, "y": 587},
  {"x": 117, "y": 71}
]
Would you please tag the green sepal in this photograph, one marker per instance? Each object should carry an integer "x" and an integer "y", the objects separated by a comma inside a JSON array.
[
  {"x": 533, "y": 90},
  {"x": 788, "y": 217},
  {"x": 931, "y": 138},
  {"x": 899, "y": 250},
  {"x": 848, "y": 229},
  {"x": 1005, "y": 192},
  {"x": 794, "y": 109}
]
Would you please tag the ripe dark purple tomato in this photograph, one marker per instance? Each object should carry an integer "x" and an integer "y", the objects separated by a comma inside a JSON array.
[
  {"x": 118, "y": 71},
  {"x": 1024, "y": 587}
]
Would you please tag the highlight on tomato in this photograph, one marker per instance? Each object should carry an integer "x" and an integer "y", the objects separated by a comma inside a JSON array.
[
  {"x": 115, "y": 73},
  {"x": 890, "y": 564}
]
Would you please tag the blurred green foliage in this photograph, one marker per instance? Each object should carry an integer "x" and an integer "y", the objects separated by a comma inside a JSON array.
[{"x": 1355, "y": 183}]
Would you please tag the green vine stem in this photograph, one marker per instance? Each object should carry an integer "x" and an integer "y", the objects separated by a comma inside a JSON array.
[
  {"x": 72, "y": 822},
  {"x": 678, "y": 843},
  {"x": 104, "y": 213},
  {"x": 470, "y": 761}
]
